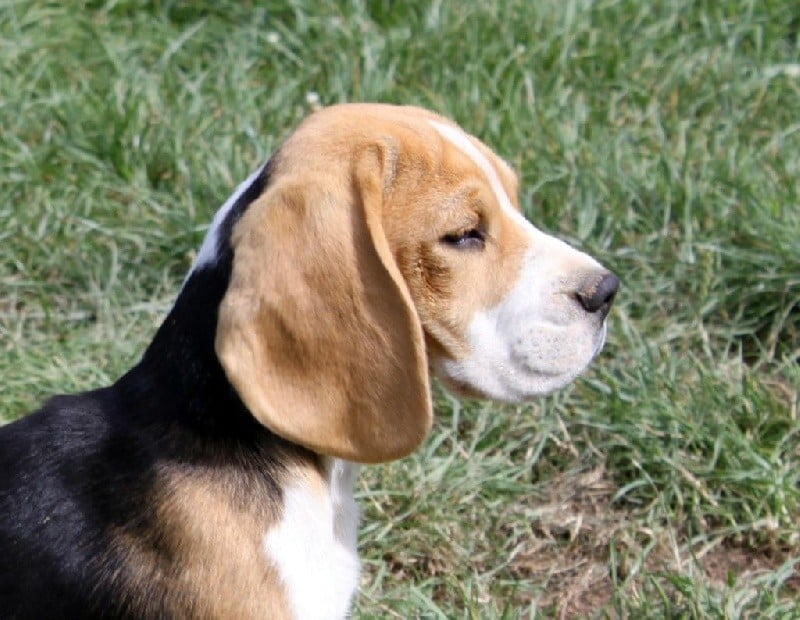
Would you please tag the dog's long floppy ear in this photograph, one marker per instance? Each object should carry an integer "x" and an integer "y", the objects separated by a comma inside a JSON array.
[{"x": 317, "y": 331}]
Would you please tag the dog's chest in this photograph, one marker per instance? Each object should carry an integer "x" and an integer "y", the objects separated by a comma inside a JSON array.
[{"x": 314, "y": 545}]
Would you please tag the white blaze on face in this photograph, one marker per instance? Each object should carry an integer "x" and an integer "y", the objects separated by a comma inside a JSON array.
[
  {"x": 458, "y": 138},
  {"x": 538, "y": 338}
]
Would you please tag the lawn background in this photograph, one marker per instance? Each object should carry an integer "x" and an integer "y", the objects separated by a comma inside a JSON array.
[{"x": 662, "y": 137}]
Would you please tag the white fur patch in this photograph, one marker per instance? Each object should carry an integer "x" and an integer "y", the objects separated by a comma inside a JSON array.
[
  {"x": 208, "y": 251},
  {"x": 314, "y": 546}
]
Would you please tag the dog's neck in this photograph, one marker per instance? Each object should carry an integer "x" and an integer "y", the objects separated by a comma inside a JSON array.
[{"x": 181, "y": 365}]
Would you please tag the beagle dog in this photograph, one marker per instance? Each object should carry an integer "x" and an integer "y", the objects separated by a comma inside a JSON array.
[{"x": 379, "y": 246}]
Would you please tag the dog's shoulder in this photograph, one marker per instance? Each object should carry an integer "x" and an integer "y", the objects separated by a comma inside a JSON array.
[
  {"x": 54, "y": 475},
  {"x": 34, "y": 448},
  {"x": 98, "y": 491}
]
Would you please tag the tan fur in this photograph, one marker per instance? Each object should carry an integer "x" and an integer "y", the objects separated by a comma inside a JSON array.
[
  {"x": 205, "y": 558},
  {"x": 342, "y": 293}
]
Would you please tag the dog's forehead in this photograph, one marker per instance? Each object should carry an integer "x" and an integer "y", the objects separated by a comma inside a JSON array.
[
  {"x": 417, "y": 129},
  {"x": 488, "y": 164}
]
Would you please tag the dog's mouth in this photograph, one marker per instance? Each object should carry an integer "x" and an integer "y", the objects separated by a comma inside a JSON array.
[{"x": 525, "y": 368}]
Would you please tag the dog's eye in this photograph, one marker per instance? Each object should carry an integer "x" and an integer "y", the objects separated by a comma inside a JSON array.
[{"x": 467, "y": 239}]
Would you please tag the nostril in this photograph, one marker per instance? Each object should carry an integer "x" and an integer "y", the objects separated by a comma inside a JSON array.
[{"x": 597, "y": 295}]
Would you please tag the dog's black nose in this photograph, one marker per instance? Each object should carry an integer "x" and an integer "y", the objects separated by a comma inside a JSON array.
[{"x": 598, "y": 292}]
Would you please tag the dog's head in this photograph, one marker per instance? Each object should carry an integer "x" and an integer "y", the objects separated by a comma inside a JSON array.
[{"x": 388, "y": 244}]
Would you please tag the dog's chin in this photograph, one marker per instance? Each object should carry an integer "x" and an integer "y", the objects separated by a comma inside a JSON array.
[
  {"x": 521, "y": 379},
  {"x": 511, "y": 395}
]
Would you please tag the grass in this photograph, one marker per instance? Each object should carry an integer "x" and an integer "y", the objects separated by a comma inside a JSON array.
[{"x": 661, "y": 136}]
